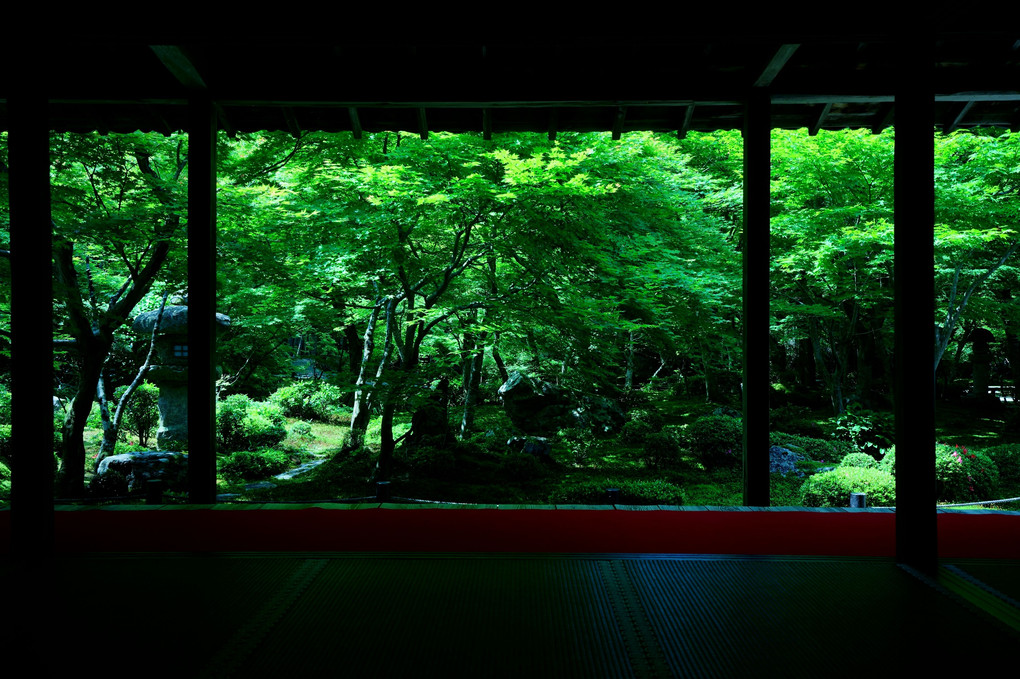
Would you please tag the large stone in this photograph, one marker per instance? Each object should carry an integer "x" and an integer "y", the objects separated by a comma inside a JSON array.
[
  {"x": 783, "y": 460},
  {"x": 139, "y": 467},
  {"x": 536, "y": 407}
]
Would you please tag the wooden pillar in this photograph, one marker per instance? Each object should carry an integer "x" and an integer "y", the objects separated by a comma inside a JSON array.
[
  {"x": 914, "y": 290},
  {"x": 201, "y": 301},
  {"x": 31, "y": 324},
  {"x": 755, "y": 255}
]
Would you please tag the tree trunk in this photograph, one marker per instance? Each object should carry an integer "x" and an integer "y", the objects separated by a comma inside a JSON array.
[
  {"x": 472, "y": 380},
  {"x": 628, "y": 377},
  {"x": 360, "y": 414},
  {"x": 384, "y": 465},
  {"x": 71, "y": 477}
]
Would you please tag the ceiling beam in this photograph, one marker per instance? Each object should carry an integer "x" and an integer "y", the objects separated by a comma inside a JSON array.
[
  {"x": 775, "y": 65},
  {"x": 820, "y": 120},
  {"x": 355, "y": 122},
  {"x": 180, "y": 66}
]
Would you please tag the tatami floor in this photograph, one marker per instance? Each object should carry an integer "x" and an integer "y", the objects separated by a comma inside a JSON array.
[{"x": 420, "y": 614}]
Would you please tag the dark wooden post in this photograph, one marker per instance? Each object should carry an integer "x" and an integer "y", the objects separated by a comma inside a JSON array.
[
  {"x": 755, "y": 254},
  {"x": 201, "y": 301},
  {"x": 914, "y": 289},
  {"x": 31, "y": 322}
]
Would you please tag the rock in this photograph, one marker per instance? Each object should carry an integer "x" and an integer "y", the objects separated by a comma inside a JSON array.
[
  {"x": 139, "y": 467},
  {"x": 532, "y": 445},
  {"x": 783, "y": 460},
  {"x": 536, "y": 407},
  {"x": 727, "y": 411}
]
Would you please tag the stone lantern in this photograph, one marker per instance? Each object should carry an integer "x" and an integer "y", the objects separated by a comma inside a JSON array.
[{"x": 169, "y": 370}]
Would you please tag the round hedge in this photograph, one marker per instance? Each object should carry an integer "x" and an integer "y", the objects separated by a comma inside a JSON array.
[{"x": 833, "y": 489}]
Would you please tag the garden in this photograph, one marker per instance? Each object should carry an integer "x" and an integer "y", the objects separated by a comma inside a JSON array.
[{"x": 521, "y": 321}]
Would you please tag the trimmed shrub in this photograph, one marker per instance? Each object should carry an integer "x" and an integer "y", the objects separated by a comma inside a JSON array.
[
  {"x": 716, "y": 440},
  {"x": 662, "y": 449},
  {"x": 1007, "y": 459},
  {"x": 302, "y": 430},
  {"x": 833, "y": 489},
  {"x": 250, "y": 465},
  {"x": 521, "y": 467},
  {"x": 243, "y": 424},
  {"x": 312, "y": 400},
  {"x": 963, "y": 475},
  {"x": 632, "y": 492},
  {"x": 861, "y": 460},
  {"x": 819, "y": 450}
]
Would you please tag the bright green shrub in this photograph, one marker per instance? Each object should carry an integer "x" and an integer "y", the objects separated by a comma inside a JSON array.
[
  {"x": 632, "y": 492},
  {"x": 716, "y": 440},
  {"x": 833, "y": 489},
  {"x": 302, "y": 430},
  {"x": 243, "y": 424},
  {"x": 312, "y": 400},
  {"x": 861, "y": 460},
  {"x": 963, "y": 475},
  {"x": 819, "y": 450},
  {"x": 141, "y": 415},
  {"x": 250, "y": 465}
]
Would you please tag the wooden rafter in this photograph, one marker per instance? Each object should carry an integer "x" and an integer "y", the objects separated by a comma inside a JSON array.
[
  {"x": 820, "y": 120},
  {"x": 775, "y": 65},
  {"x": 883, "y": 118},
  {"x": 686, "y": 125},
  {"x": 180, "y": 66},
  {"x": 956, "y": 115}
]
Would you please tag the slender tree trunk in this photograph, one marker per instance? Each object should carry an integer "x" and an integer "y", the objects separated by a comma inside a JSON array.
[
  {"x": 628, "y": 377},
  {"x": 71, "y": 478},
  {"x": 473, "y": 378},
  {"x": 362, "y": 400},
  {"x": 498, "y": 360}
]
